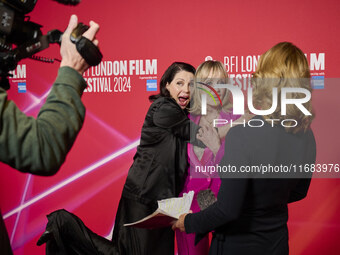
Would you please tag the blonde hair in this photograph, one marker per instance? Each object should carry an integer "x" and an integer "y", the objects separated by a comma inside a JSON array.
[
  {"x": 284, "y": 65},
  {"x": 208, "y": 70}
]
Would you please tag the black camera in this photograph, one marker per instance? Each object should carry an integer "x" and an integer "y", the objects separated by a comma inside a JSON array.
[
  {"x": 15, "y": 29},
  {"x": 21, "y": 38}
]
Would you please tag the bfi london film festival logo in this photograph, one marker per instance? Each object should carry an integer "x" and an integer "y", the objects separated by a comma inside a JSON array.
[
  {"x": 317, "y": 68},
  {"x": 238, "y": 104},
  {"x": 19, "y": 76},
  {"x": 242, "y": 66},
  {"x": 119, "y": 76}
]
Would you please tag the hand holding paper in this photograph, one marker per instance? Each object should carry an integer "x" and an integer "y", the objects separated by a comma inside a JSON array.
[
  {"x": 180, "y": 222},
  {"x": 169, "y": 210}
]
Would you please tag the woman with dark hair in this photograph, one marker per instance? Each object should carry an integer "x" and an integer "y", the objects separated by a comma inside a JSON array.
[
  {"x": 159, "y": 166},
  {"x": 250, "y": 215},
  {"x": 169, "y": 76},
  {"x": 158, "y": 172}
]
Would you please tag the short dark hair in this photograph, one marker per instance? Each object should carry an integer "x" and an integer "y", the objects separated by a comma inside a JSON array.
[{"x": 169, "y": 75}]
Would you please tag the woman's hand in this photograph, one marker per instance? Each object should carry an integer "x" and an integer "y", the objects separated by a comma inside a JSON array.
[
  {"x": 69, "y": 54},
  {"x": 209, "y": 136},
  {"x": 179, "y": 224}
]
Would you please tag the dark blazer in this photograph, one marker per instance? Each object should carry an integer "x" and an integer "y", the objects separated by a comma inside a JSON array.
[
  {"x": 250, "y": 215},
  {"x": 160, "y": 163}
]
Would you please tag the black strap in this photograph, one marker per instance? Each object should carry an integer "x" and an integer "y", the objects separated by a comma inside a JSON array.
[
  {"x": 89, "y": 51},
  {"x": 85, "y": 47}
]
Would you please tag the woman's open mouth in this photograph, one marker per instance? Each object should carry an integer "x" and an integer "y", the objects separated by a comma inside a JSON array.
[{"x": 183, "y": 101}]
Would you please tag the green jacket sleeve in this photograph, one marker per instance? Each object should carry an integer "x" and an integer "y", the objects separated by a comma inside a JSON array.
[{"x": 39, "y": 146}]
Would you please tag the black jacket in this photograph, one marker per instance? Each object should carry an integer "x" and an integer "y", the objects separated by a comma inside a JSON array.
[
  {"x": 158, "y": 171},
  {"x": 160, "y": 164},
  {"x": 250, "y": 215}
]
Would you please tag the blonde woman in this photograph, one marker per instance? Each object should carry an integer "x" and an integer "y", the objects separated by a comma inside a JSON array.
[
  {"x": 250, "y": 215},
  {"x": 207, "y": 75}
]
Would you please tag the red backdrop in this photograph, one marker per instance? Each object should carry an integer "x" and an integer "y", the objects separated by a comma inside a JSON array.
[{"x": 139, "y": 39}]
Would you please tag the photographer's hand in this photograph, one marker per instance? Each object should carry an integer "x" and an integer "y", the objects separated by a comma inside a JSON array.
[{"x": 68, "y": 51}]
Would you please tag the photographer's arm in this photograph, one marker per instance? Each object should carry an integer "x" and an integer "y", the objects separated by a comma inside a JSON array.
[{"x": 40, "y": 146}]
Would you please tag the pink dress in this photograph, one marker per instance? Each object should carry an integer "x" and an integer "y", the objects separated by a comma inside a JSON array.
[{"x": 200, "y": 181}]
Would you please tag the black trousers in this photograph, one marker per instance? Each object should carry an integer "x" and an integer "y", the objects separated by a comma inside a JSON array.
[{"x": 72, "y": 237}]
